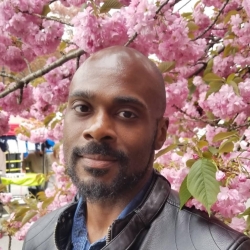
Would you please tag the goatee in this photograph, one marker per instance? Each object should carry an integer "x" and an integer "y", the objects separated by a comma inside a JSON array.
[{"x": 95, "y": 190}]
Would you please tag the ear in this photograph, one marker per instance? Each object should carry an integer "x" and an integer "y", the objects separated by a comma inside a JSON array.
[{"x": 161, "y": 132}]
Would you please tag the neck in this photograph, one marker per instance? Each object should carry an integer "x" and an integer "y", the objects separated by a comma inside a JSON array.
[{"x": 101, "y": 214}]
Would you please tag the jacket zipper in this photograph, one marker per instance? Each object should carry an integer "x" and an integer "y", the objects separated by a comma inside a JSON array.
[
  {"x": 109, "y": 234},
  {"x": 108, "y": 237}
]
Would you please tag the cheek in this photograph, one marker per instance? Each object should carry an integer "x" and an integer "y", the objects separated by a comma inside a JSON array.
[
  {"x": 71, "y": 130},
  {"x": 139, "y": 147}
]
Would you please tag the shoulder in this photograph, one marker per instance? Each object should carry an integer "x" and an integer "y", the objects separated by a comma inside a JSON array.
[
  {"x": 200, "y": 230},
  {"x": 41, "y": 233}
]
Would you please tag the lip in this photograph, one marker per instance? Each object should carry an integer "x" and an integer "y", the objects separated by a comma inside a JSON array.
[{"x": 98, "y": 161}]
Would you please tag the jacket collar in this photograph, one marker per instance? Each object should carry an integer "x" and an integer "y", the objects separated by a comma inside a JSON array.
[{"x": 124, "y": 232}]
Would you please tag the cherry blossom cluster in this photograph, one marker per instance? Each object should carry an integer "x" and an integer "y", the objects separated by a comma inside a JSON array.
[{"x": 24, "y": 35}]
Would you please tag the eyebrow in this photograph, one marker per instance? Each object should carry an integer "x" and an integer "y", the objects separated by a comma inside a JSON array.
[
  {"x": 83, "y": 94},
  {"x": 128, "y": 100},
  {"x": 117, "y": 100}
]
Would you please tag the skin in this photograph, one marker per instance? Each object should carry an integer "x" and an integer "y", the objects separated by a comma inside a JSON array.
[{"x": 117, "y": 97}]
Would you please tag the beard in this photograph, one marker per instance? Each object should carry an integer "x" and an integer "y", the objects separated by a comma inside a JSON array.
[{"x": 95, "y": 190}]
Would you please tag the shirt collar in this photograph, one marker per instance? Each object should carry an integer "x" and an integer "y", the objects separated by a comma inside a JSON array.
[{"x": 79, "y": 230}]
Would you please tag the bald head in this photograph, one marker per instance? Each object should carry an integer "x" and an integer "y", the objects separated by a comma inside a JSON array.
[{"x": 130, "y": 64}]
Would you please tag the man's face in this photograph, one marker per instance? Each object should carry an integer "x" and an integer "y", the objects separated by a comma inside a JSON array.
[{"x": 109, "y": 130}]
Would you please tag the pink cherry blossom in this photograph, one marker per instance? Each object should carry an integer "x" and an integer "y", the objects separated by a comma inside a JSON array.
[
  {"x": 229, "y": 202},
  {"x": 223, "y": 66},
  {"x": 246, "y": 6},
  {"x": 225, "y": 103},
  {"x": 4, "y": 122},
  {"x": 5, "y": 197},
  {"x": 176, "y": 95},
  {"x": 220, "y": 175},
  {"x": 238, "y": 224}
]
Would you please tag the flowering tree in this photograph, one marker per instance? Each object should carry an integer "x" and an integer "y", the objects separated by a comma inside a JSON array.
[{"x": 203, "y": 56}]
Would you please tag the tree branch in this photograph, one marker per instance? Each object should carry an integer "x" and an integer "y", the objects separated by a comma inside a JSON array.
[
  {"x": 184, "y": 5},
  {"x": 131, "y": 39},
  {"x": 199, "y": 119},
  {"x": 213, "y": 123},
  {"x": 25, "y": 80},
  {"x": 212, "y": 24},
  {"x": 198, "y": 71},
  {"x": 3, "y": 74},
  {"x": 161, "y": 6},
  {"x": 48, "y": 18}
]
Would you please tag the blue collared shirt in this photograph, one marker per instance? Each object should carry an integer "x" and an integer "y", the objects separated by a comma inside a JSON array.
[{"x": 79, "y": 231}]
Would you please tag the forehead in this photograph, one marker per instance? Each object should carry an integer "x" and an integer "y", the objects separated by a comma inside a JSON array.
[{"x": 112, "y": 73}]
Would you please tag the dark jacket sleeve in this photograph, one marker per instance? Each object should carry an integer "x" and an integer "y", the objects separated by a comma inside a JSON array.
[{"x": 245, "y": 245}]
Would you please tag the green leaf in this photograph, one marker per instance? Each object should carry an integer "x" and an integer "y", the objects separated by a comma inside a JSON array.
[
  {"x": 209, "y": 67},
  {"x": 230, "y": 77},
  {"x": 188, "y": 15},
  {"x": 110, "y": 4},
  {"x": 31, "y": 202},
  {"x": 47, "y": 202},
  {"x": 190, "y": 162},
  {"x": 158, "y": 166},
  {"x": 202, "y": 184},
  {"x": 192, "y": 26},
  {"x": 211, "y": 77},
  {"x": 246, "y": 212},
  {"x": 227, "y": 50},
  {"x": 165, "y": 150},
  {"x": 207, "y": 154},
  {"x": 202, "y": 144},
  {"x": 46, "y": 10},
  {"x": 168, "y": 79},
  {"x": 248, "y": 222},
  {"x": 210, "y": 115},
  {"x": 197, "y": 3},
  {"x": 226, "y": 147},
  {"x": 179, "y": 153},
  {"x": 229, "y": 14},
  {"x": 38, "y": 81},
  {"x": 191, "y": 86},
  {"x": 62, "y": 46},
  {"x": 22, "y": 130},
  {"x": 238, "y": 79},
  {"x": 224, "y": 135},
  {"x": 53, "y": 124},
  {"x": 213, "y": 150},
  {"x": 41, "y": 196},
  {"x": 213, "y": 88},
  {"x": 20, "y": 213},
  {"x": 184, "y": 193},
  {"x": 29, "y": 215},
  {"x": 230, "y": 35},
  {"x": 235, "y": 87},
  {"x": 3, "y": 188},
  {"x": 49, "y": 118},
  {"x": 166, "y": 66}
]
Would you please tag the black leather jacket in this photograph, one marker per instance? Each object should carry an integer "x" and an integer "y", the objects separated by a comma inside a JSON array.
[{"x": 157, "y": 224}]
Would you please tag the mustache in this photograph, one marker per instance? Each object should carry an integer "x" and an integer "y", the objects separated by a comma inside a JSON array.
[{"x": 99, "y": 149}]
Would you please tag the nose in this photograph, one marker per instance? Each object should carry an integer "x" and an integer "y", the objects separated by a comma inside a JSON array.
[{"x": 101, "y": 128}]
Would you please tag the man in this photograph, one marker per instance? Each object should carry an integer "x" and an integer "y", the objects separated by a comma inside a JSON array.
[{"x": 113, "y": 123}]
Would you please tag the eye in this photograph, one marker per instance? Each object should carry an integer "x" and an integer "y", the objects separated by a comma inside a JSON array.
[
  {"x": 81, "y": 108},
  {"x": 127, "y": 114}
]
